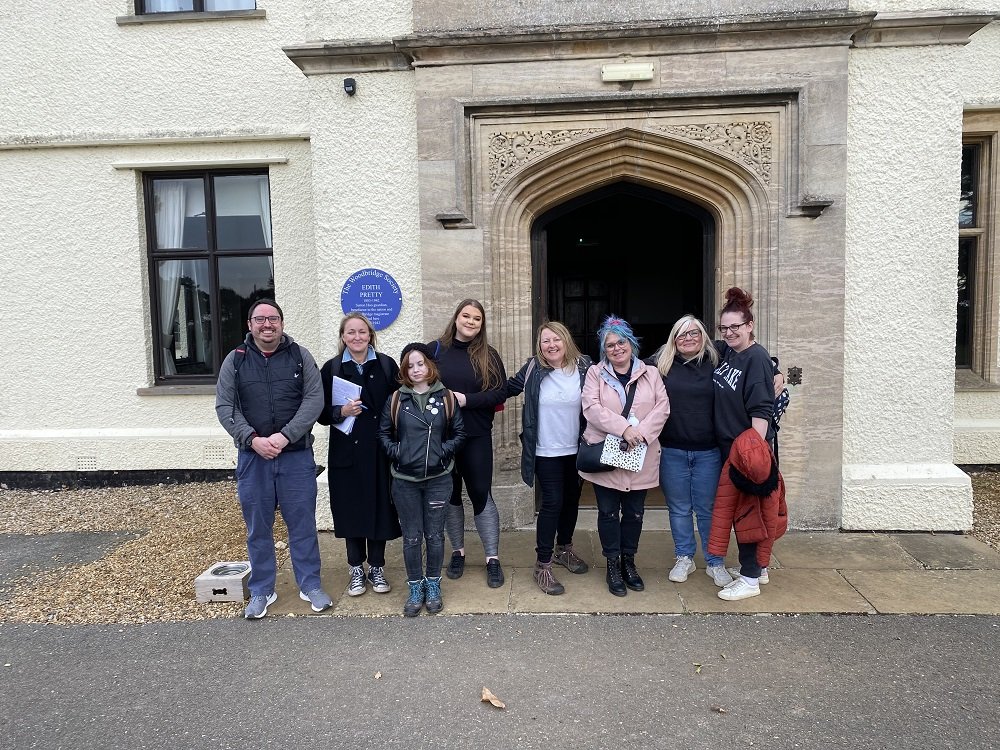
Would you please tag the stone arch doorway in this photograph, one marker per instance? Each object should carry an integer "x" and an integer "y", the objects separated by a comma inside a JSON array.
[
  {"x": 625, "y": 248},
  {"x": 742, "y": 209}
]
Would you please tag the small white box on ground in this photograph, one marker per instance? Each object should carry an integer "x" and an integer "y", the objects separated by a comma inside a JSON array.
[{"x": 223, "y": 582}]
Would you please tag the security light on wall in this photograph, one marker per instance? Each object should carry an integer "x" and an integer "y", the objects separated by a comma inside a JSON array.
[
  {"x": 627, "y": 72},
  {"x": 350, "y": 86}
]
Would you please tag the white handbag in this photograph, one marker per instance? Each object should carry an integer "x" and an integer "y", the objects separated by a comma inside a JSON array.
[{"x": 630, "y": 460}]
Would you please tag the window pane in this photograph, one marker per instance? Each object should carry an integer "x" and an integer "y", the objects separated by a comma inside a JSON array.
[
  {"x": 967, "y": 206},
  {"x": 963, "y": 328},
  {"x": 185, "y": 317},
  {"x": 179, "y": 214},
  {"x": 229, "y": 5},
  {"x": 167, "y": 6},
  {"x": 242, "y": 212},
  {"x": 241, "y": 282}
]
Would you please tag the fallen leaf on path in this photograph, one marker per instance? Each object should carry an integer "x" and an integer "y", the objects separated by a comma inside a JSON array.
[
  {"x": 697, "y": 668},
  {"x": 488, "y": 697},
  {"x": 378, "y": 675}
]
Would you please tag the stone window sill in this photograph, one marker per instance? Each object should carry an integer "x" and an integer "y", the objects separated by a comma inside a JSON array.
[
  {"x": 177, "y": 390},
  {"x": 213, "y": 15}
]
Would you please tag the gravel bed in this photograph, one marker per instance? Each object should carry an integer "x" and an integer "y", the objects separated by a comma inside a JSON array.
[{"x": 184, "y": 528}]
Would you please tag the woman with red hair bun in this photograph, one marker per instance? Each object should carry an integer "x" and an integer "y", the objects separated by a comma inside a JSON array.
[{"x": 744, "y": 399}]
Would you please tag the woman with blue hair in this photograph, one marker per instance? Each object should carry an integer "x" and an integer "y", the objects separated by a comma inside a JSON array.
[{"x": 623, "y": 397}]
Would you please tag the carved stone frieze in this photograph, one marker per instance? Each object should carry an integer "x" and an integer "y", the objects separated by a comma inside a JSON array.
[
  {"x": 749, "y": 141},
  {"x": 511, "y": 150}
]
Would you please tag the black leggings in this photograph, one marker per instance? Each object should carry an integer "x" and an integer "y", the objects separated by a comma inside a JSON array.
[{"x": 474, "y": 467}]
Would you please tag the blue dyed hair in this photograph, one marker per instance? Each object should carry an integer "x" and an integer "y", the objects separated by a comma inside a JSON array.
[{"x": 618, "y": 326}]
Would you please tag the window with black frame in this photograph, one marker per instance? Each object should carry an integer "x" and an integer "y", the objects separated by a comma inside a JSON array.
[
  {"x": 143, "y": 7},
  {"x": 967, "y": 245},
  {"x": 210, "y": 258}
]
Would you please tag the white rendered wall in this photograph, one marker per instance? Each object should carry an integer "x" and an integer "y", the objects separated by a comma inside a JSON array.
[
  {"x": 366, "y": 205},
  {"x": 92, "y": 94},
  {"x": 904, "y": 138}
]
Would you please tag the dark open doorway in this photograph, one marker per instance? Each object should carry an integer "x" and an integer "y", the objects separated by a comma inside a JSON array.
[{"x": 626, "y": 249}]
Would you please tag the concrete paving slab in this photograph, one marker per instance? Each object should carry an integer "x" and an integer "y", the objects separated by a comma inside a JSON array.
[
  {"x": 588, "y": 593},
  {"x": 517, "y": 549},
  {"x": 832, "y": 550},
  {"x": 790, "y": 591},
  {"x": 949, "y": 551},
  {"x": 974, "y": 592},
  {"x": 470, "y": 594}
]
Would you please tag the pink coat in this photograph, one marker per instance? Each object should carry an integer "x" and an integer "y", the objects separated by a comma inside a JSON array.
[{"x": 602, "y": 408}]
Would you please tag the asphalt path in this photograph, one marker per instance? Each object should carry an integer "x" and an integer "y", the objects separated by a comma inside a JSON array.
[{"x": 579, "y": 682}]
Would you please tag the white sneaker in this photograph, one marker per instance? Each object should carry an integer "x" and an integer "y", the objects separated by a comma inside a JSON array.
[
  {"x": 739, "y": 589},
  {"x": 682, "y": 569},
  {"x": 719, "y": 575},
  {"x": 735, "y": 573},
  {"x": 356, "y": 585}
]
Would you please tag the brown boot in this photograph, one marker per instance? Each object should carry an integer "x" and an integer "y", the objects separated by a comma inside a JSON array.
[
  {"x": 545, "y": 580},
  {"x": 565, "y": 555}
]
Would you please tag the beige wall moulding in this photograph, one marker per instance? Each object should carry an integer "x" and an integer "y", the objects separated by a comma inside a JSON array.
[{"x": 637, "y": 39}]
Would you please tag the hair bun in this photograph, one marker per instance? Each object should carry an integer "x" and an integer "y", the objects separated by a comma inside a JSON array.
[{"x": 736, "y": 297}]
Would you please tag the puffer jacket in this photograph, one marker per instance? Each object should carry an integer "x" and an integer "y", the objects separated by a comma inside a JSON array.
[
  {"x": 422, "y": 444},
  {"x": 750, "y": 499}
]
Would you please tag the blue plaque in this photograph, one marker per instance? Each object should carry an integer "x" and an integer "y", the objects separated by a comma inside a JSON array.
[{"x": 374, "y": 293}]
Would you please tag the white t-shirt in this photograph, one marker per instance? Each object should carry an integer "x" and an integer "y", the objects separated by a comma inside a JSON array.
[{"x": 559, "y": 404}]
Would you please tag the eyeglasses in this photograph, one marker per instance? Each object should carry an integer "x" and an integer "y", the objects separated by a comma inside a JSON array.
[
  {"x": 733, "y": 328},
  {"x": 692, "y": 334},
  {"x": 616, "y": 345},
  {"x": 260, "y": 319}
]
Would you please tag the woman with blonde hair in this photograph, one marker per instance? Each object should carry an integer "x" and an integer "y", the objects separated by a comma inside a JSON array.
[
  {"x": 689, "y": 459},
  {"x": 363, "y": 513},
  {"x": 551, "y": 426}
]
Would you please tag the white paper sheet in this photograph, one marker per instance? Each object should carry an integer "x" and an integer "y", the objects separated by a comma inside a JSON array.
[{"x": 342, "y": 392}]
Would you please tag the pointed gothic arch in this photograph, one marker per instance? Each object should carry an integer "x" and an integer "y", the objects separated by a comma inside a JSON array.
[{"x": 743, "y": 207}]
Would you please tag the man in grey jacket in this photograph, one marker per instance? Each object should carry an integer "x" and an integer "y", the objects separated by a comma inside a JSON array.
[{"x": 268, "y": 397}]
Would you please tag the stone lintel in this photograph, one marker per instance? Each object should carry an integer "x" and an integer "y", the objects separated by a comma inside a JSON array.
[
  {"x": 347, "y": 56},
  {"x": 637, "y": 39},
  {"x": 525, "y": 44},
  {"x": 922, "y": 28}
]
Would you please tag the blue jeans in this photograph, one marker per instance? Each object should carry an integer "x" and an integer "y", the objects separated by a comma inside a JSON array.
[
  {"x": 690, "y": 480},
  {"x": 420, "y": 507},
  {"x": 287, "y": 482}
]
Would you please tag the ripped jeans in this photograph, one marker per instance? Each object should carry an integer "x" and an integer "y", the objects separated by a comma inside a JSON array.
[
  {"x": 420, "y": 507},
  {"x": 619, "y": 520}
]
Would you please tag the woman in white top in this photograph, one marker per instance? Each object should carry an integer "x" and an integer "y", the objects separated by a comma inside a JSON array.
[{"x": 551, "y": 424}]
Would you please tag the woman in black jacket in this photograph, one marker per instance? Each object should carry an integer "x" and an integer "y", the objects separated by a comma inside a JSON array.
[
  {"x": 551, "y": 425},
  {"x": 472, "y": 370},
  {"x": 363, "y": 514},
  {"x": 420, "y": 430}
]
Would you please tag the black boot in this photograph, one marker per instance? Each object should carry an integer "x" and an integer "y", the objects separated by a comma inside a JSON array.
[
  {"x": 615, "y": 583},
  {"x": 630, "y": 574}
]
